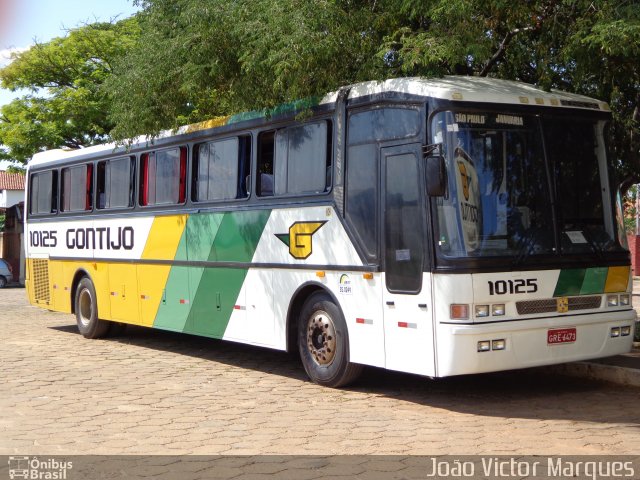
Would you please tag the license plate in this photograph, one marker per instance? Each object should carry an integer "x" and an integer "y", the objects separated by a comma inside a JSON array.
[{"x": 561, "y": 335}]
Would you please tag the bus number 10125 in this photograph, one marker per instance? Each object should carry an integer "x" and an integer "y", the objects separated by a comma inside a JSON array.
[{"x": 503, "y": 287}]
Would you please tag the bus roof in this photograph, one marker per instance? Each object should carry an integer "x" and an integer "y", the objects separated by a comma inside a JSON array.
[
  {"x": 475, "y": 89},
  {"x": 453, "y": 88}
]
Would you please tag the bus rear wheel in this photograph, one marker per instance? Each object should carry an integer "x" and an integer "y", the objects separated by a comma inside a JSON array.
[
  {"x": 323, "y": 341},
  {"x": 86, "y": 307}
]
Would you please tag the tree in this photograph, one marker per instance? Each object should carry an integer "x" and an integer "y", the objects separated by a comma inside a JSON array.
[
  {"x": 196, "y": 59},
  {"x": 183, "y": 61},
  {"x": 586, "y": 47},
  {"x": 65, "y": 105}
]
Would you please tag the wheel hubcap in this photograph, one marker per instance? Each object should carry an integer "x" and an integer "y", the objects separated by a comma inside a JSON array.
[
  {"x": 321, "y": 338},
  {"x": 85, "y": 308}
]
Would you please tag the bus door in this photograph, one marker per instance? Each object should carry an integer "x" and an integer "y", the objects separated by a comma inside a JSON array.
[{"x": 407, "y": 302}]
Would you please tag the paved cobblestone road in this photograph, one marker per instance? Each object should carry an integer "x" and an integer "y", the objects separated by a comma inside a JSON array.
[{"x": 151, "y": 392}]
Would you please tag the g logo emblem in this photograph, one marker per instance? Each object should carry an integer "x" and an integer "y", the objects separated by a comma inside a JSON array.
[{"x": 300, "y": 238}]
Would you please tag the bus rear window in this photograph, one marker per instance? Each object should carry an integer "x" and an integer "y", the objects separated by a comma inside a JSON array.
[{"x": 163, "y": 177}]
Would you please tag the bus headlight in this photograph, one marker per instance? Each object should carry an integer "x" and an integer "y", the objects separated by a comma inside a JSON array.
[
  {"x": 612, "y": 300},
  {"x": 482, "y": 310},
  {"x": 497, "y": 309},
  {"x": 625, "y": 331},
  {"x": 484, "y": 345},
  {"x": 498, "y": 344},
  {"x": 624, "y": 299}
]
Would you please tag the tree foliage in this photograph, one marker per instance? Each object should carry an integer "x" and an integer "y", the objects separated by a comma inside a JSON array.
[
  {"x": 65, "y": 105},
  {"x": 197, "y": 59},
  {"x": 586, "y": 47}
]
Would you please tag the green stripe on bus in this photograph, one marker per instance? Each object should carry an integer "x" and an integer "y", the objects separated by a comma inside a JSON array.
[
  {"x": 174, "y": 307},
  {"x": 581, "y": 281},
  {"x": 569, "y": 282},
  {"x": 296, "y": 105},
  {"x": 216, "y": 294},
  {"x": 201, "y": 300},
  {"x": 594, "y": 280}
]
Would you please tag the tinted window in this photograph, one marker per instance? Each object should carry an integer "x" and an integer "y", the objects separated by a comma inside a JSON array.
[
  {"x": 295, "y": 160},
  {"x": 163, "y": 177},
  {"x": 221, "y": 168},
  {"x": 383, "y": 124},
  {"x": 76, "y": 188},
  {"x": 577, "y": 154},
  {"x": 264, "y": 182},
  {"x": 362, "y": 193},
  {"x": 115, "y": 183},
  {"x": 301, "y": 159},
  {"x": 403, "y": 244},
  {"x": 43, "y": 192}
]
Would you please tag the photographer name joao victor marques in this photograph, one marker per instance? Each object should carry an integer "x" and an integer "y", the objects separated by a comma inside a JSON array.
[{"x": 500, "y": 467}]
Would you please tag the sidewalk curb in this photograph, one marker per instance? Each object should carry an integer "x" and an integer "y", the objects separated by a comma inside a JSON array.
[{"x": 629, "y": 377}]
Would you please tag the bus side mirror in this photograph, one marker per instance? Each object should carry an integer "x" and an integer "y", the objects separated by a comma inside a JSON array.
[{"x": 436, "y": 176}]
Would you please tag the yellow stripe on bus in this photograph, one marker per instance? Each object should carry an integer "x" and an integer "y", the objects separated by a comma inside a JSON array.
[
  {"x": 162, "y": 244},
  {"x": 617, "y": 280},
  {"x": 164, "y": 237}
]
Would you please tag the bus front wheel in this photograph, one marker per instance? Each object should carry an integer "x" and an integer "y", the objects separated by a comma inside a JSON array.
[
  {"x": 323, "y": 342},
  {"x": 86, "y": 307}
]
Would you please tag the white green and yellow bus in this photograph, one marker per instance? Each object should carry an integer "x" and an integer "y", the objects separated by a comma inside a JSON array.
[{"x": 433, "y": 226}]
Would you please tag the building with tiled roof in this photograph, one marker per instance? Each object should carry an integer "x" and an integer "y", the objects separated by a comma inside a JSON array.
[{"x": 11, "y": 189}]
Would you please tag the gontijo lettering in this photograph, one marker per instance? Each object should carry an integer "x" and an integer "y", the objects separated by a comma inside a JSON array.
[{"x": 100, "y": 238}]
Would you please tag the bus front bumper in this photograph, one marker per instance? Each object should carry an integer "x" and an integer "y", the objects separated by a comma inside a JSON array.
[{"x": 462, "y": 349}]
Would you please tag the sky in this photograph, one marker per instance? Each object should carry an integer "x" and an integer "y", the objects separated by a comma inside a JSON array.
[{"x": 22, "y": 21}]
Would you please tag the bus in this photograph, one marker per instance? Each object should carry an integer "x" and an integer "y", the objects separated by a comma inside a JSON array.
[{"x": 434, "y": 226}]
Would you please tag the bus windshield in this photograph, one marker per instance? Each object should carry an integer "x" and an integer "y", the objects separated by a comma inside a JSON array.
[{"x": 523, "y": 185}]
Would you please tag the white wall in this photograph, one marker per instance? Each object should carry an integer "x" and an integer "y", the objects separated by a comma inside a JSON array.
[{"x": 8, "y": 198}]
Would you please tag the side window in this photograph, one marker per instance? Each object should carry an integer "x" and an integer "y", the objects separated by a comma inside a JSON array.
[
  {"x": 264, "y": 181},
  {"x": 76, "y": 186},
  {"x": 43, "y": 192},
  {"x": 163, "y": 177},
  {"x": 114, "y": 183},
  {"x": 362, "y": 194},
  {"x": 365, "y": 130},
  {"x": 295, "y": 160},
  {"x": 303, "y": 162},
  {"x": 383, "y": 124},
  {"x": 221, "y": 169}
]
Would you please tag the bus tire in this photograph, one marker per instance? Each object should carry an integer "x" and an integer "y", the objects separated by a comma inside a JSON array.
[
  {"x": 3, "y": 282},
  {"x": 323, "y": 341},
  {"x": 86, "y": 307}
]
